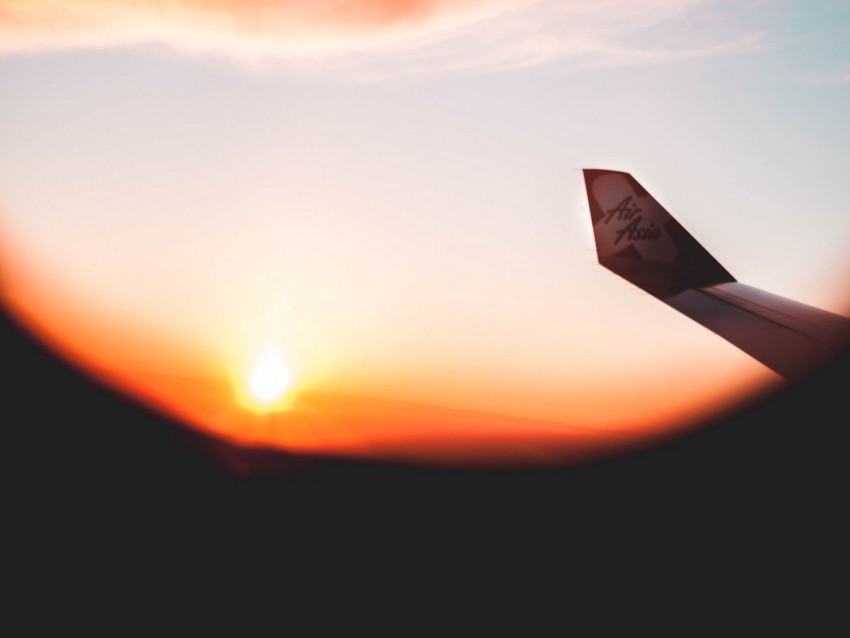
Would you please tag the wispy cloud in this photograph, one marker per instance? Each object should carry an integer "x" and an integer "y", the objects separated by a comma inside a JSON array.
[
  {"x": 579, "y": 34},
  {"x": 379, "y": 36},
  {"x": 258, "y": 27}
]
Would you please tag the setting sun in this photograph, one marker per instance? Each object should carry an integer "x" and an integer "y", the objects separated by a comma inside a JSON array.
[{"x": 268, "y": 381}]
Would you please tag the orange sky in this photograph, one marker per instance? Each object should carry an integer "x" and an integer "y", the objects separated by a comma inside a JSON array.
[{"x": 430, "y": 417}]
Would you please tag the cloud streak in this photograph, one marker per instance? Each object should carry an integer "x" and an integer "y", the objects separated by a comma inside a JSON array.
[
  {"x": 272, "y": 27},
  {"x": 379, "y": 36}
]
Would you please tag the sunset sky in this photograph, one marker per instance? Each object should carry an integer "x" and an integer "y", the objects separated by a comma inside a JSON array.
[{"x": 388, "y": 196}]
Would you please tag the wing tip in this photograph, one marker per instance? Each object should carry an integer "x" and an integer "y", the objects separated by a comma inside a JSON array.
[{"x": 602, "y": 171}]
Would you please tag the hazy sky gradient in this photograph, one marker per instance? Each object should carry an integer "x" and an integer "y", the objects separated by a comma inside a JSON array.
[{"x": 396, "y": 200}]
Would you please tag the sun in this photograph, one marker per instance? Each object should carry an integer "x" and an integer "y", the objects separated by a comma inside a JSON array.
[{"x": 268, "y": 381}]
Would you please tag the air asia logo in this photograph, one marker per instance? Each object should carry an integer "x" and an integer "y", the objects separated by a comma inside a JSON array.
[
  {"x": 628, "y": 218},
  {"x": 633, "y": 231}
]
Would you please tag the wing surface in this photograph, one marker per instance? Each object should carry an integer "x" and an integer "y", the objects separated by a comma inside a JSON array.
[{"x": 637, "y": 239}]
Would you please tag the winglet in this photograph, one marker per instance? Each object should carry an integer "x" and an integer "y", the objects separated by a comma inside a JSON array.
[{"x": 637, "y": 239}]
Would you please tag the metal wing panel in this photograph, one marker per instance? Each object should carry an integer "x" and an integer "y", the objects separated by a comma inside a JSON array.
[
  {"x": 818, "y": 324},
  {"x": 787, "y": 344}
]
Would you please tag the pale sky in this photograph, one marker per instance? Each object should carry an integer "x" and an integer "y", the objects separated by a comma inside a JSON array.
[{"x": 390, "y": 193}]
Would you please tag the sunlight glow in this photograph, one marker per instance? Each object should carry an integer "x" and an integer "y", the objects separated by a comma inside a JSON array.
[{"x": 269, "y": 379}]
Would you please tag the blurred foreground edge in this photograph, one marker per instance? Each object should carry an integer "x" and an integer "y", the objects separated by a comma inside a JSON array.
[{"x": 68, "y": 432}]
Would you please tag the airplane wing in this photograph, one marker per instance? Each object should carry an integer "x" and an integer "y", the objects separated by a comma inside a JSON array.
[{"x": 637, "y": 239}]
